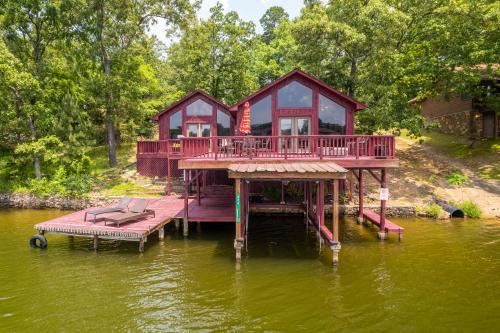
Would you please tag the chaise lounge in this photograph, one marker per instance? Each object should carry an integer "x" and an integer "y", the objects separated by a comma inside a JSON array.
[
  {"x": 120, "y": 207},
  {"x": 138, "y": 211}
]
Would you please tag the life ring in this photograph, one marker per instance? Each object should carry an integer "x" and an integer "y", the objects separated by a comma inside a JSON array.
[{"x": 42, "y": 241}]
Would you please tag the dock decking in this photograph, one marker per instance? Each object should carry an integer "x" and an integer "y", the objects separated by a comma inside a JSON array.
[{"x": 389, "y": 226}]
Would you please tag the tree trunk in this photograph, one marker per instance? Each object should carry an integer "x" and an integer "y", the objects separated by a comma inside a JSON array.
[
  {"x": 106, "y": 67},
  {"x": 38, "y": 171}
]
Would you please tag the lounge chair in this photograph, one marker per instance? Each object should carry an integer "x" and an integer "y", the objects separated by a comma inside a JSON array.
[
  {"x": 120, "y": 207},
  {"x": 137, "y": 212}
]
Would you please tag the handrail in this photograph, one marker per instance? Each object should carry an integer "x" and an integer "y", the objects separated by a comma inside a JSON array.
[{"x": 283, "y": 147}]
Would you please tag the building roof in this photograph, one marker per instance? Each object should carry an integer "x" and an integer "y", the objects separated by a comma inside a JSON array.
[
  {"x": 287, "y": 170},
  {"x": 358, "y": 105},
  {"x": 185, "y": 98},
  {"x": 484, "y": 71}
]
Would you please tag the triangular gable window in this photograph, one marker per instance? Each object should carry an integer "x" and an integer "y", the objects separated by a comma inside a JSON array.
[
  {"x": 295, "y": 95},
  {"x": 199, "y": 108}
]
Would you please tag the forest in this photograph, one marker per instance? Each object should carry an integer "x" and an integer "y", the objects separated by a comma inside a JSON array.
[{"x": 84, "y": 76}]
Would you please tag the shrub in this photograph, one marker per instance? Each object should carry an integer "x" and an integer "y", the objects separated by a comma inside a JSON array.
[
  {"x": 434, "y": 211},
  {"x": 456, "y": 178},
  {"x": 470, "y": 209}
]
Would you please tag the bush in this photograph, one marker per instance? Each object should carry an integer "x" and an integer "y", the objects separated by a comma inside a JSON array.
[
  {"x": 456, "y": 178},
  {"x": 470, "y": 209},
  {"x": 434, "y": 211}
]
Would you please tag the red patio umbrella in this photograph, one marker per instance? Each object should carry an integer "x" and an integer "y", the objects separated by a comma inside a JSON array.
[{"x": 245, "y": 121}]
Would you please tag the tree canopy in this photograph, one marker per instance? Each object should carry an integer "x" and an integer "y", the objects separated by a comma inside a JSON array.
[{"x": 77, "y": 74}]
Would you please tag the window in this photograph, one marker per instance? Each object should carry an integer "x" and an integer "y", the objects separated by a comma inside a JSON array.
[
  {"x": 223, "y": 124},
  {"x": 175, "y": 125},
  {"x": 261, "y": 117},
  {"x": 199, "y": 108},
  {"x": 198, "y": 130},
  {"x": 331, "y": 117},
  {"x": 295, "y": 95}
]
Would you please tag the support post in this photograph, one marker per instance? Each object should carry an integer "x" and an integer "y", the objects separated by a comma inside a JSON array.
[
  {"x": 161, "y": 233},
  {"x": 198, "y": 187},
  {"x": 185, "y": 225},
  {"x": 282, "y": 193},
  {"x": 177, "y": 224},
  {"x": 351, "y": 184},
  {"x": 238, "y": 241},
  {"x": 383, "y": 184},
  {"x": 169, "y": 177},
  {"x": 141, "y": 245},
  {"x": 335, "y": 228},
  {"x": 96, "y": 242},
  {"x": 361, "y": 190}
]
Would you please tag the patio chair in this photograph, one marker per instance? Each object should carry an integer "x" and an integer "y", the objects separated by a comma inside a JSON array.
[
  {"x": 120, "y": 207},
  {"x": 138, "y": 211}
]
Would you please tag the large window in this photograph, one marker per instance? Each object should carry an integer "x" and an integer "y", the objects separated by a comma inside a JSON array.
[
  {"x": 223, "y": 124},
  {"x": 331, "y": 117},
  {"x": 295, "y": 95},
  {"x": 261, "y": 117},
  {"x": 175, "y": 125},
  {"x": 199, "y": 108}
]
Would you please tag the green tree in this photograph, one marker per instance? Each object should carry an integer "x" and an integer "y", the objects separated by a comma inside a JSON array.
[
  {"x": 271, "y": 19},
  {"x": 117, "y": 39},
  {"x": 216, "y": 56}
]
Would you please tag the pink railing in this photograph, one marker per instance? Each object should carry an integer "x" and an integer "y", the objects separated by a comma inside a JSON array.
[{"x": 273, "y": 147}]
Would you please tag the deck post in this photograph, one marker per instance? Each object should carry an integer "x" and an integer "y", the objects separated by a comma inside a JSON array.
[
  {"x": 383, "y": 185},
  {"x": 238, "y": 241},
  {"x": 161, "y": 233},
  {"x": 361, "y": 190},
  {"x": 351, "y": 184},
  {"x": 96, "y": 242},
  {"x": 185, "y": 226},
  {"x": 169, "y": 177},
  {"x": 282, "y": 193},
  {"x": 335, "y": 228},
  {"x": 141, "y": 245},
  {"x": 198, "y": 187}
]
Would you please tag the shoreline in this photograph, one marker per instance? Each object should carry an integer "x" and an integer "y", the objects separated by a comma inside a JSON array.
[{"x": 31, "y": 201}]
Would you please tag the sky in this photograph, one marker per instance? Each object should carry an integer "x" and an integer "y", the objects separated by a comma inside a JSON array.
[{"x": 248, "y": 10}]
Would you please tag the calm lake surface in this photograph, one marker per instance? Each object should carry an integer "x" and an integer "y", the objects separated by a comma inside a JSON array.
[{"x": 444, "y": 276}]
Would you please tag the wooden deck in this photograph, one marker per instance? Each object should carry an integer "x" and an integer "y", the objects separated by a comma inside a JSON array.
[
  {"x": 217, "y": 209},
  {"x": 166, "y": 208},
  {"x": 389, "y": 226}
]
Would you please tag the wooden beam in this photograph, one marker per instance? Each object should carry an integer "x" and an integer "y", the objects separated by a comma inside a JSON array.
[
  {"x": 378, "y": 179},
  {"x": 361, "y": 190},
  {"x": 198, "y": 188},
  {"x": 278, "y": 176},
  {"x": 383, "y": 184},
  {"x": 96, "y": 242},
  {"x": 185, "y": 225},
  {"x": 209, "y": 164},
  {"x": 335, "y": 216},
  {"x": 238, "y": 244}
]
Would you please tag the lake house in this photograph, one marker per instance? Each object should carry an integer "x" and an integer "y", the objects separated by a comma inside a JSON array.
[{"x": 301, "y": 135}]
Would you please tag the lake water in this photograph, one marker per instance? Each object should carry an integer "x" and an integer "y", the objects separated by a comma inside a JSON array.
[{"x": 444, "y": 276}]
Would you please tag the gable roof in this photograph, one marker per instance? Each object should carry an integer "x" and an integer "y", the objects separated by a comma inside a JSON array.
[
  {"x": 296, "y": 71},
  {"x": 185, "y": 98}
]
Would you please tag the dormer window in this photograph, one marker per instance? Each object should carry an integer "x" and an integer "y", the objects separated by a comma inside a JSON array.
[
  {"x": 199, "y": 108},
  {"x": 295, "y": 95}
]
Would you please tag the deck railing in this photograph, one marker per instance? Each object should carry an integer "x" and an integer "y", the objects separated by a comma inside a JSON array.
[{"x": 275, "y": 147}]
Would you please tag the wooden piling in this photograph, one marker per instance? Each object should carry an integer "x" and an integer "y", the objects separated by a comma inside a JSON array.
[
  {"x": 383, "y": 185},
  {"x": 335, "y": 217},
  {"x": 361, "y": 190},
  {"x": 96, "y": 242},
  {"x": 161, "y": 233}
]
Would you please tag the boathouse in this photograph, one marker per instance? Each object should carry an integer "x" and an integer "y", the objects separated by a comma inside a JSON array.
[
  {"x": 301, "y": 134},
  {"x": 289, "y": 147}
]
